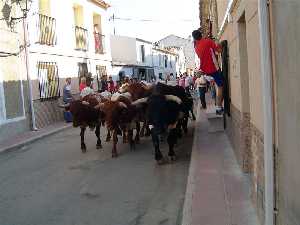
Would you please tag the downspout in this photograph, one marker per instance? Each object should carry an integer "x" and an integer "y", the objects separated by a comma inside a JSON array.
[
  {"x": 33, "y": 122},
  {"x": 266, "y": 70}
]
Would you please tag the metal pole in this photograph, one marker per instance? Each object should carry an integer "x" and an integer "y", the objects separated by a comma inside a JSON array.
[
  {"x": 25, "y": 30},
  {"x": 266, "y": 70}
]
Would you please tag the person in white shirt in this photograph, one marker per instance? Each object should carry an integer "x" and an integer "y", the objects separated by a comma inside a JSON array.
[{"x": 201, "y": 85}]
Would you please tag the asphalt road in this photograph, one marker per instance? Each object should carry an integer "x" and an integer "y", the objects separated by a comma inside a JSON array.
[{"x": 50, "y": 182}]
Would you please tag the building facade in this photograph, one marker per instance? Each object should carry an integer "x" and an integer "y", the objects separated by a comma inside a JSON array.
[
  {"x": 131, "y": 57},
  {"x": 191, "y": 60},
  {"x": 263, "y": 120},
  {"x": 14, "y": 100},
  {"x": 165, "y": 62},
  {"x": 67, "y": 39}
]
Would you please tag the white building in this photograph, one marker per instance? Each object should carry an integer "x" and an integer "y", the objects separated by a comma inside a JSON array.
[
  {"x": 68, "y": 38},
  {"x": 192, "y": 61},
  {"x": 131, "y": 57},
  {"x": 164, "y": 62}
]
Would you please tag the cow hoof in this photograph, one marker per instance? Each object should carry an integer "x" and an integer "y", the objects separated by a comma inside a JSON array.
[
  {"x": 83, "y": 148},
  {"x": 132, "y": 147},
  {"x": 160, "y": 162},
  {"x": 99, "y": 146},
  {"x": 173, "y": 158},
  {"x": 114, "y": 155}
]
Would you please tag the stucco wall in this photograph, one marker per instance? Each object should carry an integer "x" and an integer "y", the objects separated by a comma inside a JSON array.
[
  {"x": 245, "y": 126},
  {"x": 287, "y": 61},
  {"x": 123, "y": 49},
  {"x": 14, "y": 117}
]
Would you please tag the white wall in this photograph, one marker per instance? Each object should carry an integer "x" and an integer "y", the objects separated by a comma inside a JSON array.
[
  {"x": 188, "y": 48},
  {"x": 123, "y": 49},
  {"x": 160, "y": 67},
  {"x": 148, "y": 53}
]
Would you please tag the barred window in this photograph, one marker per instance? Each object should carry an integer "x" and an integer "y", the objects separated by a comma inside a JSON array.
[{"x": 48, "y": 80}]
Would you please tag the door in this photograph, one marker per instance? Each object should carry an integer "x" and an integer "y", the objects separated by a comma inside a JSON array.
[{"x": 225, "y": 72}]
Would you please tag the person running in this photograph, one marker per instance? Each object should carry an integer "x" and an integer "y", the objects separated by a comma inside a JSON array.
[{"x": 206, "y": 50}]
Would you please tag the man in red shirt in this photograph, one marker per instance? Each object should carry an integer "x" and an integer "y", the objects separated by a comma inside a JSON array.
[{"x": 206, "y": 49}]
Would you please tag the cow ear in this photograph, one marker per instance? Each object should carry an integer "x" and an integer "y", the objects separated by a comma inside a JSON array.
[
  {"x": 173, "y": 98},
  {"x": 122, "y": 105}
]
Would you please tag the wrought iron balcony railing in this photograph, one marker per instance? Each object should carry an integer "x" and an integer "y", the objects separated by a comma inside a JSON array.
[
  {"x": 99, "y": 43},
  {"x": 46, "y": 30},
  {"x": 81, "y": 36}
]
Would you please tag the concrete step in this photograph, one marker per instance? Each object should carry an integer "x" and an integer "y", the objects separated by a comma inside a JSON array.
[{"x": 216, "y": 122}]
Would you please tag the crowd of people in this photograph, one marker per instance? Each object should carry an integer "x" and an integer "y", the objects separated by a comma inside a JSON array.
[{"x": 208, "y": 78}]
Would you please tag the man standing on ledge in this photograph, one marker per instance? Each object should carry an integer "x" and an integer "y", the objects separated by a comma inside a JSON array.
[{"x": 206, "y": 50}]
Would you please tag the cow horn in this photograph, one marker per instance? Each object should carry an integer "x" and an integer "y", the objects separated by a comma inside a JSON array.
[
  {"x": 123, "y": 105},
  {"x": 140, "y": 101},
  {"x": 173, "y": 98}
]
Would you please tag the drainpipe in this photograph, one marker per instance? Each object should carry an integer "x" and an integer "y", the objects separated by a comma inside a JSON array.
[
  {"x": 266, "y": 70},
  {"x": 25, "y": 30}
]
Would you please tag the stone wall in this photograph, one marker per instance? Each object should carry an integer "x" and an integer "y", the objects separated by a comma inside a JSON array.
[
  {"x": 47, "y": 112},
  {"x": 247, "y": 142}
]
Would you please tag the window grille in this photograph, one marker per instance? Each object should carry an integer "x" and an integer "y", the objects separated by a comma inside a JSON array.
[{"x": 48, "y": 80}]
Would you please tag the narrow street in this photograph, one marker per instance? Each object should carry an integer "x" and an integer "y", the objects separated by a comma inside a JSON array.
[{"x": 50, "y": 182}]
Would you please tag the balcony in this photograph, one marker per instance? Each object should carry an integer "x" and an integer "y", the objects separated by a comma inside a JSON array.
[
  {"x": 99, "y": 43},
  {"x": 81, "y": 36},
  {"x": 46, "y": 30}
]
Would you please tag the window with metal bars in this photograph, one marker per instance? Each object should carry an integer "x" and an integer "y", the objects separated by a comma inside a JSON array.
[{"x": 48, "y": 80}]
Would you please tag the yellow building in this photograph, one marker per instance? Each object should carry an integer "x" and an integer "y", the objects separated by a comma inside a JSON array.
[
  {"x": 263, "y": 121},
  {"x": 14, "y": 107}
]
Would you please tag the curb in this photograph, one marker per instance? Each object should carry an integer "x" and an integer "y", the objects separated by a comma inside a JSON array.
[
  {"x": 30, "y": 140},
  {"x": 190, "y": 186}
]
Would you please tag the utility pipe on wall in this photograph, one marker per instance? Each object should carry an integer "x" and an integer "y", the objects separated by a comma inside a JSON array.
[
  {"x": 33, "y": 123},
  {"x": 266, "y": 71}
]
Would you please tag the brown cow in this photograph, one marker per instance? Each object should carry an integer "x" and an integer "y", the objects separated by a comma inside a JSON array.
[
  {"x": 120, "y": 114},
  {"x": 139, "y": 91},
  {"x": 86, "y": 115}
]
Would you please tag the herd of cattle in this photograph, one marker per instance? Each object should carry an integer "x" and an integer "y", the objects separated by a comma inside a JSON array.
[{"x": 159, "y": 108}]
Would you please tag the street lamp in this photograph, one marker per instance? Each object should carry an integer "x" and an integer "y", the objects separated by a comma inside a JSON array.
[
  {"x": 7, "y": 8},
  {"x": 24, "y": 6}
]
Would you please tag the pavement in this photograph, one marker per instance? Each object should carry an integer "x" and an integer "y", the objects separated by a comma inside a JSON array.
[
  {"x": 218, "y": 193},
  {"x": 51, "y": 182},
  {"x": 17, "y": 142}
]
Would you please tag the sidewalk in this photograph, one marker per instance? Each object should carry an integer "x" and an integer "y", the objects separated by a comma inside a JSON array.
[
  {"x": 218, "y": 193},
  {"x": 30, "y": 136}
]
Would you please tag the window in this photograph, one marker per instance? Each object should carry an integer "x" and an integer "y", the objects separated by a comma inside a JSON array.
[
  {"x": 159, "y": 60},
  {"x": 171, "y": 66},
  {"x": 160, "y": 76},
  {"x": 166, "y": 61},
  {"x": 81, "y": 34},
  {"x": 98, "y": 37},
  {"x": 48, "y": 80},
  {"x": 44, "y": 7},
  {"x": 143, "y": 53}
]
